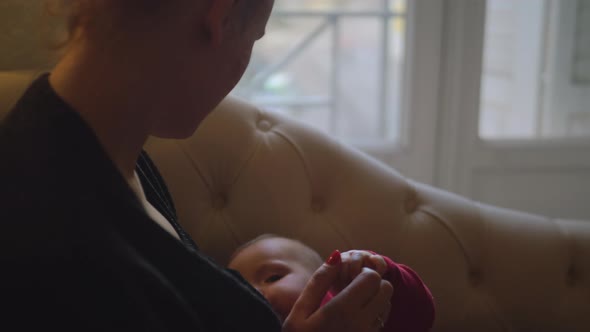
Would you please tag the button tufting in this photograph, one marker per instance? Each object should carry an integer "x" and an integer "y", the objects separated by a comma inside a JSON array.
[
  {"x": 411, "y": 204},
  {"x": 264, "y": 125},
  {"x": 317, "y": 205},
  {"x": 219, "y": 201}
]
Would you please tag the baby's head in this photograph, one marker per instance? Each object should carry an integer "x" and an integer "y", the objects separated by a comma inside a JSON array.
[{"x": 279, "y": 268}]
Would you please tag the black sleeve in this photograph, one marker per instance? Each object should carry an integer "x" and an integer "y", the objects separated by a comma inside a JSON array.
[{"x": 103, "y": 288}]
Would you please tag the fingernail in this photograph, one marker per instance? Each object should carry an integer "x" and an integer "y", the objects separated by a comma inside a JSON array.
[{"x": 334, "y": 258}]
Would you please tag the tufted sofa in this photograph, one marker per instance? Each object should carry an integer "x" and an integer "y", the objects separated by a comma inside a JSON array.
[{"x": 246, "y": 172}]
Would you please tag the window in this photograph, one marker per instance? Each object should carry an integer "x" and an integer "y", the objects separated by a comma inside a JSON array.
[
  {"x": 536, "y": 70},
  {"x": 335, "y": 64}
]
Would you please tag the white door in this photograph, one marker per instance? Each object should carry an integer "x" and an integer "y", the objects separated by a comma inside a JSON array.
[{"x": 516, "y": 104}]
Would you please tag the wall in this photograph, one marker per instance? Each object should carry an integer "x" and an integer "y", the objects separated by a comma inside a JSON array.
[{"x": 26, "y": 33}]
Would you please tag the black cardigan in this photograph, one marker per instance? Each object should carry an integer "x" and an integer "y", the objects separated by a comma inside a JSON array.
[{"x": 77, "y": 250}]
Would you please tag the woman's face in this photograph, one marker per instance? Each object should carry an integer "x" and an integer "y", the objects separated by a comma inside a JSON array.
[
  {"x": 240, "y": 38},
  {"x": 202, "y": 66}
]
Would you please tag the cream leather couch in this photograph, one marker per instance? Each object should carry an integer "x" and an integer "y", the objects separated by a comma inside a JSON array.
[{"x": 247, "y": 172}]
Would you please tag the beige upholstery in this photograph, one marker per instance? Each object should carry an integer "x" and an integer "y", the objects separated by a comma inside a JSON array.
[
  {"x": 247, "y": 172},
  {"x": 12, "y": 84}
]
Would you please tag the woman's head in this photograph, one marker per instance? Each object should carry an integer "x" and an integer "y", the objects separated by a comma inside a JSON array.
[
  {"x": 96, "y": 17},
  {"x": 279, "y": 268},
  {"x": 185, "y": 55}
]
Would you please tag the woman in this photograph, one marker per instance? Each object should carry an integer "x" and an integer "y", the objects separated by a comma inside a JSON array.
[{"x": 90, "y": 240}]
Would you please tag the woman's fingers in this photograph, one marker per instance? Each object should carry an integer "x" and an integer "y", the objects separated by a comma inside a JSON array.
[
  {"x": 353, "y": 262},
  {"x": 356, "y": 308},
  {"x": 314, "y": 292},
  {"x": 378, "y": 263},
  {"x": 363, "y": 301},
  {"x": 357, "y": 263},
  {"x": 359, "y": 292},
  {"x": 377, "y": 310}
]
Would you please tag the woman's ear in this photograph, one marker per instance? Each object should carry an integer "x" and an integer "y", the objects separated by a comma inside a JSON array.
[{"x": 217, "y": 17}]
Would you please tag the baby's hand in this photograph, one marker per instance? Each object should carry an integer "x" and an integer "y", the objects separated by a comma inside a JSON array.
[{"x": 353, "y": 262}]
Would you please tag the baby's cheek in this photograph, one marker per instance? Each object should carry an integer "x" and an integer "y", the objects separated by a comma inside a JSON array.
[
  {"x": 284, "y": 304},
  {"x": 287, "y": 291},
  {"x": 283, "y": 300},
  {"x": 291, "y": 297}
]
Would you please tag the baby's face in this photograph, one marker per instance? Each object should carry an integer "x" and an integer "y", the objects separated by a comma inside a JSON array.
[{"x": 274, "y": 267}]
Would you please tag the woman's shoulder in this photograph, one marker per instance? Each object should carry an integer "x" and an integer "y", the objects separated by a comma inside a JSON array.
[
  {"x": 49, "y": 163},
  {"x": 41, "y": 125}
]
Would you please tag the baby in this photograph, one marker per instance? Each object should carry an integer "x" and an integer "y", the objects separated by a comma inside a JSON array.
[{"x": 279, "y": 268}]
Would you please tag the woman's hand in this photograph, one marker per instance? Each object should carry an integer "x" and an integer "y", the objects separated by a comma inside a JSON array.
[
  {"x": 361, "y": 306},
  {"x": 353, "y": 261}
]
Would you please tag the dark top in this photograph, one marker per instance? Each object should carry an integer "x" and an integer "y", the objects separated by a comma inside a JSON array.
[{"x": 79, "y": 253}]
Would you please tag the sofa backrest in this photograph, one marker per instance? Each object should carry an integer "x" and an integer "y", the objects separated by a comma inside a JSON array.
[
  {"x": 247, "y": 171},
  {"x": 12, "y": 85}
]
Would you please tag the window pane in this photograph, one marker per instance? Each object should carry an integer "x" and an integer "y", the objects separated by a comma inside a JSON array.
[
  {"x": 334, "y": 64},
  {"x": 535, "y": 69},
  {"x": 330, "y": 4},
  {"x": 581, "y": 70}
]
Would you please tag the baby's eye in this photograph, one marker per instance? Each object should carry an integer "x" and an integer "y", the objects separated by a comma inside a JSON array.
[{"x": 273, "y": 278}]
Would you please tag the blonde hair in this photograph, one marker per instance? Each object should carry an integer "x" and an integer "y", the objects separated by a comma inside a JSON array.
[{"x": 98, "y": 15}]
